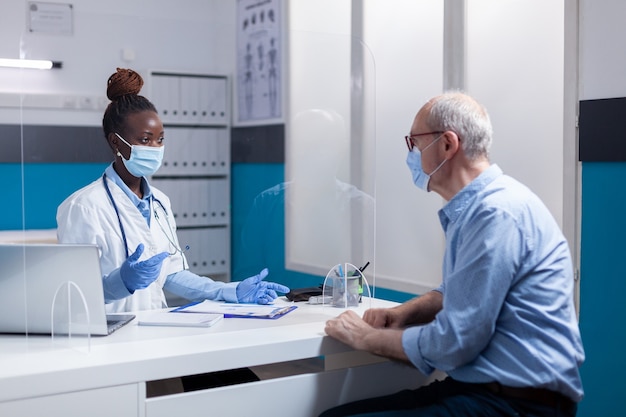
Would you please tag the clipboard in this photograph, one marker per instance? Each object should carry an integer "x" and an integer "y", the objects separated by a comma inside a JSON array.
[{"x": 232, "y": 310}]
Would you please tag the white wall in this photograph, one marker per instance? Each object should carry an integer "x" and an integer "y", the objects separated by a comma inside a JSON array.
[
  {"x": 518, "y": 75},
  {"x": 602, "y": 60},
  {"x": 328, "y": 222},
  {"x": 186, "y": 35},
  {"x": 406, "y": 39},
  {"x": 516, "y": 72}
]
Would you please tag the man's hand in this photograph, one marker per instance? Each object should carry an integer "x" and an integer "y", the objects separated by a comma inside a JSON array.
[
  {"x": 350, "y": 329},
  {"x": 383, "y": 317},
  {"x": 420, "y": 310}
]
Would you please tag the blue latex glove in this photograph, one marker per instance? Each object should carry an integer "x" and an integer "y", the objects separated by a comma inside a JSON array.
[
  {"x": 138, "y": 275},
  {"x": 255, "y": 290}
]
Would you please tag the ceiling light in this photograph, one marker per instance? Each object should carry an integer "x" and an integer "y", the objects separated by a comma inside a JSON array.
[{"x": 30, "y": 63}]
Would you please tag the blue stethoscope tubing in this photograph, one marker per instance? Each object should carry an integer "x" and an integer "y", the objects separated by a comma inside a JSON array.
[
  {"x": 117, "y": 212},
  {"x": 119, "y": 219}
]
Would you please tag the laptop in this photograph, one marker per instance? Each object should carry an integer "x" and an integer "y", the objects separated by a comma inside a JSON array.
[{"x": 54, "y": 289}]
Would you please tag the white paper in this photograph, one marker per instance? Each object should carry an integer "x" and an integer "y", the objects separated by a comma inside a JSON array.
[{"x": 166, "y": 318}]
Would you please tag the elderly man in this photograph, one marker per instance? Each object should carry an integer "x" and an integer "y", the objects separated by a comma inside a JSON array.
[{"x": 502, "y": 325}]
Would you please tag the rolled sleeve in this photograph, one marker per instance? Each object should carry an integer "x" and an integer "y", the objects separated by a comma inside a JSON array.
[{"x": 410, "y": 344}]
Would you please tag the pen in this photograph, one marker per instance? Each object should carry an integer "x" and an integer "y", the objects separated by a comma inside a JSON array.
[
  {"x": 279, "y": 311},
  {"x": 361, "y": 269}
]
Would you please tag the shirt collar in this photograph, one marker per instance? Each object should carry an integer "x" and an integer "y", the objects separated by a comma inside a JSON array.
[
  {"x": 453, "y": 209},
  {"x": 137, "y": 202}
]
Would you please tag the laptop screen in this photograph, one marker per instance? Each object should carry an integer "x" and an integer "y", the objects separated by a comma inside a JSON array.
[{"x": 51, "y": 288}]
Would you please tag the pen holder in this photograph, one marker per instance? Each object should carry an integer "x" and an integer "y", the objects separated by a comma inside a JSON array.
[{"x": 344, "y": 286}]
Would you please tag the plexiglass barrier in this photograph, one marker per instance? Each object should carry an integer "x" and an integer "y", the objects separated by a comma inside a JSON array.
[
  {"x": 318, "y": 213},
  {"x": 322, "y": 213}
]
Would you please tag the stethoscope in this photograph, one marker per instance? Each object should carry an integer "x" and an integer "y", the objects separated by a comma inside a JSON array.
[{"x": 153, "y": 203}]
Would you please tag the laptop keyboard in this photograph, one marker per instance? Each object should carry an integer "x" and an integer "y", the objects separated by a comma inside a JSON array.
[{"x": 114, "y": 323}]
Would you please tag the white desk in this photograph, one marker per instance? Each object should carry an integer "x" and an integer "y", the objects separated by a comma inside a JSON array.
[{"x": 37, "y": 376}]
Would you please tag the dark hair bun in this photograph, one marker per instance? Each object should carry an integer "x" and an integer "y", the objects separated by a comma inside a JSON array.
[{"x": 123, "y": 82}]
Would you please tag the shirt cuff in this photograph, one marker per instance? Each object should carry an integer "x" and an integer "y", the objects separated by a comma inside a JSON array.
[
  {"x": 193, "y": 287},
  {"x": 114, "y": 287},
  {"x": 230, "y": 292},
  {"x": 410, "y": 344}
]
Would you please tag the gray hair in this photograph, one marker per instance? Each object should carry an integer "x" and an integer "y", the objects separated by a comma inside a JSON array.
[{"x": 466, "y": 117}]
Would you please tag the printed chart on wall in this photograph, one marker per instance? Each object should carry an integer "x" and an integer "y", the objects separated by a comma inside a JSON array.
[{"x": 259, "y": 46}]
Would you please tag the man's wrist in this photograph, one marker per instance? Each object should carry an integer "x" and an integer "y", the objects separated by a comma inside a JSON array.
[{"x": 384, "y": 342}]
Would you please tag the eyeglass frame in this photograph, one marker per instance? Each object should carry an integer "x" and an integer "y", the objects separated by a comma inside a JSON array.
[{"x": 409, "y": 138}]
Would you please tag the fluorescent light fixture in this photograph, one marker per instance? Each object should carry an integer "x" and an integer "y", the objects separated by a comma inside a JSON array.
[{"x": 30, "y": 63}]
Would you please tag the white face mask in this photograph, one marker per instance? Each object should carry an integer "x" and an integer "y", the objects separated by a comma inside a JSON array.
[
  {"x": 414, "y": 162},
  {"x": 144, "y": 160}
]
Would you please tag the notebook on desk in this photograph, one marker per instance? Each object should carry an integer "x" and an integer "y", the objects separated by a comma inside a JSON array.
[{"x": 41, "y": 287}]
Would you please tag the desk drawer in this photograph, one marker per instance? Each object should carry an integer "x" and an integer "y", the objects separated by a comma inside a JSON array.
[
  {"x": 121, "y": 401},
  {"x": 296, "y": 396}
]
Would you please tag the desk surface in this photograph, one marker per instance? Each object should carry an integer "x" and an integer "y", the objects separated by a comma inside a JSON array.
[{"x": 35, "y": 365}]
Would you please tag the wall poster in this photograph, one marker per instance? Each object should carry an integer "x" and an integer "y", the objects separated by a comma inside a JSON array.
[{"x": 259, "y": 60}]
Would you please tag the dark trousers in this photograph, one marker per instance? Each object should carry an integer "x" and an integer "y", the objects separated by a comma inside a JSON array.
[{"x": 450, "y": 398}]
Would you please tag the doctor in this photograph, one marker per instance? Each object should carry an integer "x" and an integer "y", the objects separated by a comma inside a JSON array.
[{"x": 131, "y": 221}]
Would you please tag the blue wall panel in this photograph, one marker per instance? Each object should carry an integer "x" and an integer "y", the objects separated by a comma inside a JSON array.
[
  {"x": 247, "y": 181},
  {"x": 12, "y": 205},
  {"x": 33, "y": 193},
  {"x": 602, "y": 288}
]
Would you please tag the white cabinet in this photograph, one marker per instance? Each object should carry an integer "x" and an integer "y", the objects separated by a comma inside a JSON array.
[
  {"x": 190, "y": 99},
  {"x": 120, "y": 401},
  {"x": 195, "y": 173}
]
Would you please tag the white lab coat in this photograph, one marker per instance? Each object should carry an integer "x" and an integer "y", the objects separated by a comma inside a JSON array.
[{"x": 87, "y": 216}]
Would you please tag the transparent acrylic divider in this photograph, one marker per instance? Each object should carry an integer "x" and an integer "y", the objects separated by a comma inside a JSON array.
[
  {"x": 71, "y": 324},
  {"x": 345, "y": 285}
]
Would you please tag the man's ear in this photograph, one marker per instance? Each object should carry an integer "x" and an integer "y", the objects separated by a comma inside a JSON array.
[{"x": 451, "y": 141}]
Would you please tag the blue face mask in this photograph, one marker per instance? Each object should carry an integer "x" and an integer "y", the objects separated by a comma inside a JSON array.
[
  {"x": 144, "y": 160},
  {"x": 414, "y": 162}
]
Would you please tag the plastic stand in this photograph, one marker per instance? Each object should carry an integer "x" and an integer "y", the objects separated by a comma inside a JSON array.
[
  {"x": 71, "y": 324},
  {"x": 344, "y": 286}
]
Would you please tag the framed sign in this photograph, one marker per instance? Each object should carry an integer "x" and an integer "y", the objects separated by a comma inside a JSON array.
[
  {"x": 50, "y": 18},
  {"x": 259, "y": 62}
]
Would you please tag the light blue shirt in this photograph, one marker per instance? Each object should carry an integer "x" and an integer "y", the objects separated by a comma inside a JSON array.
[
  {"x": 508, "y": 313},
  {"x": 184, "y": 283},
  {"x": 143, "y": 205}
]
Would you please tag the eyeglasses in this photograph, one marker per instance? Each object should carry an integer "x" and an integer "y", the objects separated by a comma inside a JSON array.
[{"x": 411, "y": 142}]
